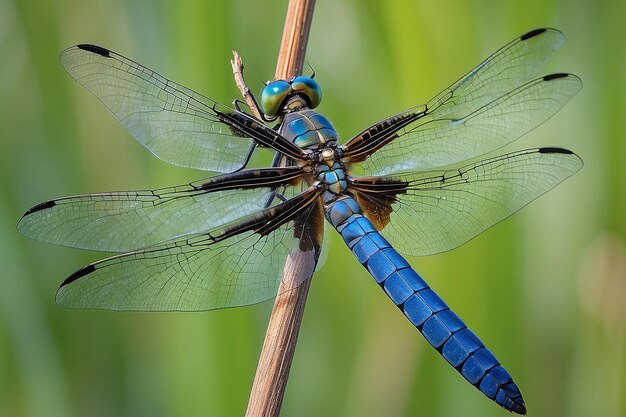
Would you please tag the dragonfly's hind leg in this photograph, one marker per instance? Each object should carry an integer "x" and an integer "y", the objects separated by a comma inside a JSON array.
[
  {"x": 253, "y": 146},
  {"x": 274, "y": 194}
]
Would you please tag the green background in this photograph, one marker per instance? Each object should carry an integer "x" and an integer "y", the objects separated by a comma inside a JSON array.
[{"x": 545, "y": 290}]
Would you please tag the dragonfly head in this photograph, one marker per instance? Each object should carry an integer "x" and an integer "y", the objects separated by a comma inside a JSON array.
[{"x": 277, "y": 94}]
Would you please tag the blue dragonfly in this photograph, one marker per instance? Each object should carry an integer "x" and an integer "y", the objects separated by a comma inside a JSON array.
[{"x": 415, "y": 179}]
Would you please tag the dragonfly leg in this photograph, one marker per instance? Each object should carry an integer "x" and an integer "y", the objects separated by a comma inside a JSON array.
[
  {"x": 253, "y": 146},
  {"x": 237, "y": 105},
  {"x": 273, "y": 194},
  {"x": 277, "y": 156}
]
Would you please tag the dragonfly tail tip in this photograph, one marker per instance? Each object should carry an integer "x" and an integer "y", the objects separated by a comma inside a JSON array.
[{"x": 519, "y": 408}]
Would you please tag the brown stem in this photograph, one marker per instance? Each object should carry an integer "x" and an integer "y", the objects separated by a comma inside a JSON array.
[
  {"x": 237, "y": 65},
  {"x": 279, "y": 346},
  {"x": 295, "y": 38}
]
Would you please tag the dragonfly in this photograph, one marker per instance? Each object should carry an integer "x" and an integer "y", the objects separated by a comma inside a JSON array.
[{"x": 416, "y": 183}]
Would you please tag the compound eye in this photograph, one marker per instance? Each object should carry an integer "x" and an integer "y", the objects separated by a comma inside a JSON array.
[
  {"x": 273, "y": 96},
  {"x": 310, "y": 88}
]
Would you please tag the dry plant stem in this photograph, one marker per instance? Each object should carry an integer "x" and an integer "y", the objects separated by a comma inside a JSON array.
[
  {"x": 270, "y": 381},
  {"x": 295, "y": 38},
  {"x": 237, "y": 65}
]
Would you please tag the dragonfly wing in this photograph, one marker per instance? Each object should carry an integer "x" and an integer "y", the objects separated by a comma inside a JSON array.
[
  {"x": 235, "y": 265},
  {"x": 124, "y": 221},
  {"x": 443, "y": 141},
  {"x": 424, "y": 213},
  {"x": 175, "y": 123},
  {"x": 490, "y": 99},
  {"x": 509, "y": 67}
]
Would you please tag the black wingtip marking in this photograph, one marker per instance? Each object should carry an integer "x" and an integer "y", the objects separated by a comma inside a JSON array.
[
  {"x": 555, "y": 150},
  {"x": 78, "y": 274},
  {"x": 39, "y": 207},
  {"x": 95, "y": 49},
  {"x": 532, "y": 34},
  {"x": 555, "y": 76}
]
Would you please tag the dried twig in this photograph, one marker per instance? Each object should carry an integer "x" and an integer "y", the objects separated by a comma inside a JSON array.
[
  {"x": 279, "y": 346},
  {"x": 237, "y": 65}
]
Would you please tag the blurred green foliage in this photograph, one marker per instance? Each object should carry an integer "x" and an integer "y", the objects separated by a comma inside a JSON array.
[{"x": 545, "y": 290}]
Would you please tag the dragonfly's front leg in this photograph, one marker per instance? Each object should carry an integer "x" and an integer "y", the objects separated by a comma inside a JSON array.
[
  {"x": 250, "y": 101},
  {"x": 253, "y": 105},
  {"x": 257, "y": 111}
]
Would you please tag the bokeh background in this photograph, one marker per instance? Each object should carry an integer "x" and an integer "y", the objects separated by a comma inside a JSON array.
[{"x": 546, "y": 289}]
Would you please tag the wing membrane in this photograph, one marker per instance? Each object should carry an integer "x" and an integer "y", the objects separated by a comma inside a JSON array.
[
  {"x": 425, "y": 213},
  {"x": 509, "y": 67},
  {"x": 235, "y": 265},
  {"x": 124, "y": 221},
  {"x": 422, "y": 131},
  {"x": 175, "y": 123},
  {"x": 437, "y": 142}
]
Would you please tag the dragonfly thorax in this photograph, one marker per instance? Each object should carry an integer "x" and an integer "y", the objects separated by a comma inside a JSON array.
[
  {"x": 331, "y": 173},
  {"x": 308, "y": 129}
]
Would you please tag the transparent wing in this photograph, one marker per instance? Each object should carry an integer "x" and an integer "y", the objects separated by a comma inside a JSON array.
[
  {"x": 431, "y": 212},
  {"x": 444, "y": 141},
  {"x": 128, "y": 220},
  {"x": 491, "y": 106},
  {"x": 175, "y": 123},
  {"x": 509, "y": 67},
  {"x": 236, "y": 265}
]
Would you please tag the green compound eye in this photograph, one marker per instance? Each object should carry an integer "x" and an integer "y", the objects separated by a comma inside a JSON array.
[
  {"x": 273, "y": 95},
  {"x": 310, "y": 88}
]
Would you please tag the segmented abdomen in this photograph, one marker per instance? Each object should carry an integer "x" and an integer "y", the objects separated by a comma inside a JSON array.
[{"x": 441, "y": 327}]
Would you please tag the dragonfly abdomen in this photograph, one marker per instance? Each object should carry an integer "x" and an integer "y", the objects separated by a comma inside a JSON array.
[{"x": 441, "y": 327}]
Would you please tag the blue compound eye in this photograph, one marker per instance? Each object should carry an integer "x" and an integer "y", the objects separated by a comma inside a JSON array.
[
  {"x": 273, "y": 96},
  {"x": 310, "y": 88}
]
